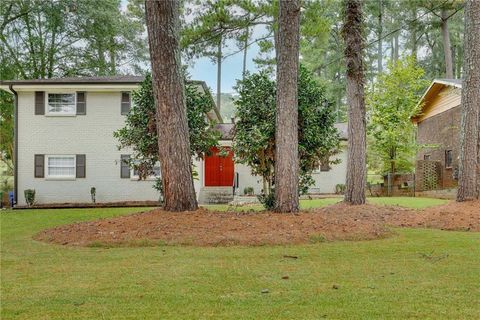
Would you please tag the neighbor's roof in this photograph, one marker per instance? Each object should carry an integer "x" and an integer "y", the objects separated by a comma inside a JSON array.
[
  {"x": 433, "y": 90},
  {"x": 450, "y": 82},
  {"x": 226, "y": 129},
  {"x": 107, "y": 80}
]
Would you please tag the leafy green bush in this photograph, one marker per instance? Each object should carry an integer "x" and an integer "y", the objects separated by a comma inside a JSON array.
[
  {"x": 6, "y": 184},
  {"x": 29, "y": 196},
  {"x": 93, "y": 193},
  {"x": 140, "y": 131},
  {"x": 158, "y": 185},
  {"x": 340, "y": 188},
  {"x": 248, "y": 191},
  {"x": 254, "y": 139},
  {"x": 267, "y": 200}
]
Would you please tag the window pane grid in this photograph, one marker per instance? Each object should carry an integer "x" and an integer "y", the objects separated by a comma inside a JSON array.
[
  {"x": 61, "y": 103},
  {"x": 61, "y": 166},
  {"x": 155, "y": 172}
]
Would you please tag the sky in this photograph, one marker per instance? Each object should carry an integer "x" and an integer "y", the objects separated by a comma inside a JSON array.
[{"x": 204, "y": 69}]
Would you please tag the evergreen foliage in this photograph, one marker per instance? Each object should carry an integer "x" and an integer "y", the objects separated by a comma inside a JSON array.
[
  {"x": 254, "y": 140},
  {"x": 140, "y": 130}
]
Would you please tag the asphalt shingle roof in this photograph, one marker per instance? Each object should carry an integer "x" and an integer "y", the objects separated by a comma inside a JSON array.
[{"x": 83, "y": 80}]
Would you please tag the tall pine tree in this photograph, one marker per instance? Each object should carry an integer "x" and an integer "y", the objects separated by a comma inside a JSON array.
[
  {"x": 163, "y": 25},
  {"x": 469, "y": 178},
  {"x": 356, "y": 161},
  {"x": 286, "y": 134}
]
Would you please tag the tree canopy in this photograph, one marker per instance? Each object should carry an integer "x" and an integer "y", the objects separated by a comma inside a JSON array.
[
  {"x": 140, "y": 131},
  {"x": 44, "y": 39},
  {"x": 254, "y": 139},
  {"x": 391, "y": 104}
]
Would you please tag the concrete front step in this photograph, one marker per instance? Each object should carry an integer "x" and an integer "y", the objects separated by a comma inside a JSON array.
[
  {"x": 215, "y": 195},
  {"x": 241, "y": 200}
]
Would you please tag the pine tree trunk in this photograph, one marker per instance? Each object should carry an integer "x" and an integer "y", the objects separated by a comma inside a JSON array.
[
  {"x": 163, "y": 26},
  {"x": 454, "y": 62},
  {"x": 379, "y": 34},
  {"x": 469, "y": 175},
  {"x": 102, "y": 65},
  {"x": 447, "y": 49},
  {"x": 413, "y": 33},
  {"x": 356, "y": 160},
  {"x": 459, "y": 62},
  {"x": 286, "y": 133},
  {"x": 245, "y": 49},
  {"x": 392, "y": 51},
  {"x": 112, "y": 51},
  {"x": 219, "y": 74},
  {"x": 397, "y": 48}
]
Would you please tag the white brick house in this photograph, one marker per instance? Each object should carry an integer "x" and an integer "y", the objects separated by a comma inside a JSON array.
[{"x": 64, "y": 145}]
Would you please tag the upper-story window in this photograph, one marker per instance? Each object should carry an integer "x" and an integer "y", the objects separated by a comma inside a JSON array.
[
  {"x": 126, "y": 103},
  {"x": 61, "y": 104}
]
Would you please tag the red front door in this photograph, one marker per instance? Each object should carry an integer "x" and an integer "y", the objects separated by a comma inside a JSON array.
[{"x": 219, "y": 170}]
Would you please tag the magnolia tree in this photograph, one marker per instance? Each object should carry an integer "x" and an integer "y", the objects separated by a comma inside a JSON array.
[
  {"x": 254, "y": 139},
  {"x": 140, "y": 130},
  {"x": 391, "y": 105}
]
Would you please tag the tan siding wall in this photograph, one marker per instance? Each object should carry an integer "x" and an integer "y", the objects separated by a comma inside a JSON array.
[{"x": 447, "y": 98}]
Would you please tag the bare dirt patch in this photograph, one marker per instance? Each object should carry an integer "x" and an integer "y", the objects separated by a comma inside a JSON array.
[{"x": 209, "y": 228}]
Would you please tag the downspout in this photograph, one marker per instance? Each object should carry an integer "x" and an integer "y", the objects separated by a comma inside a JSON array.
[{"x": 15, "y": 146}]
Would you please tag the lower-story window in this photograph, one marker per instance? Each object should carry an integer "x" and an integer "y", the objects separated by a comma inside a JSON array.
[
  {"x": 448, "y": 158},
  {"x": 155, "y": 173},
  {"x": 60, "y": 167}
]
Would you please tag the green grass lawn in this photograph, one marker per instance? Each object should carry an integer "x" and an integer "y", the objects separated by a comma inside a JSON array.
[
  {"x": 414, "y": 203},
  {"x": 423, "y": 274}
]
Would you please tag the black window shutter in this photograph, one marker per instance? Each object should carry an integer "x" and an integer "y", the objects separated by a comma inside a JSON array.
[
  {"x": 81, "y": 166},
  {"x": 124, "y": 167},
  {"x": 39, "y": 171},
  {"x": 81, "y": 103},
  {"x": 39, "y": 102},
  {"x": 126, "y": 103}
]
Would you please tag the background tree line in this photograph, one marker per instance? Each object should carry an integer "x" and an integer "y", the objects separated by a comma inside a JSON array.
[
  {"x": 66, "y": 38},
  {"x": 44, "y": 39}
]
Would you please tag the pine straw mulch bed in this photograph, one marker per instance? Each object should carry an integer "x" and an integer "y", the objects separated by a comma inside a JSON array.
[{"x": 210, "y": 228}]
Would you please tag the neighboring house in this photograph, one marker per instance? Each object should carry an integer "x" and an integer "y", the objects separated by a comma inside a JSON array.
[
  {"x": 64, "y": 145},
  {"x": 438, "y": 134}
]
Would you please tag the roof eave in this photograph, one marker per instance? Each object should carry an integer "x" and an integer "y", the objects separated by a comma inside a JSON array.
[
  {"x": 207, "y": 91},
  {"x": 415, "y": 118}
]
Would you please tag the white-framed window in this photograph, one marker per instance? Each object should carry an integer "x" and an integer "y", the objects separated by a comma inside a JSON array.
[
  {"x": 61, "y": 104},
  {"x": 60, "y": 166},
  {"x": 324, "y": 166},
  {"x": 156, "y": 173}
]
